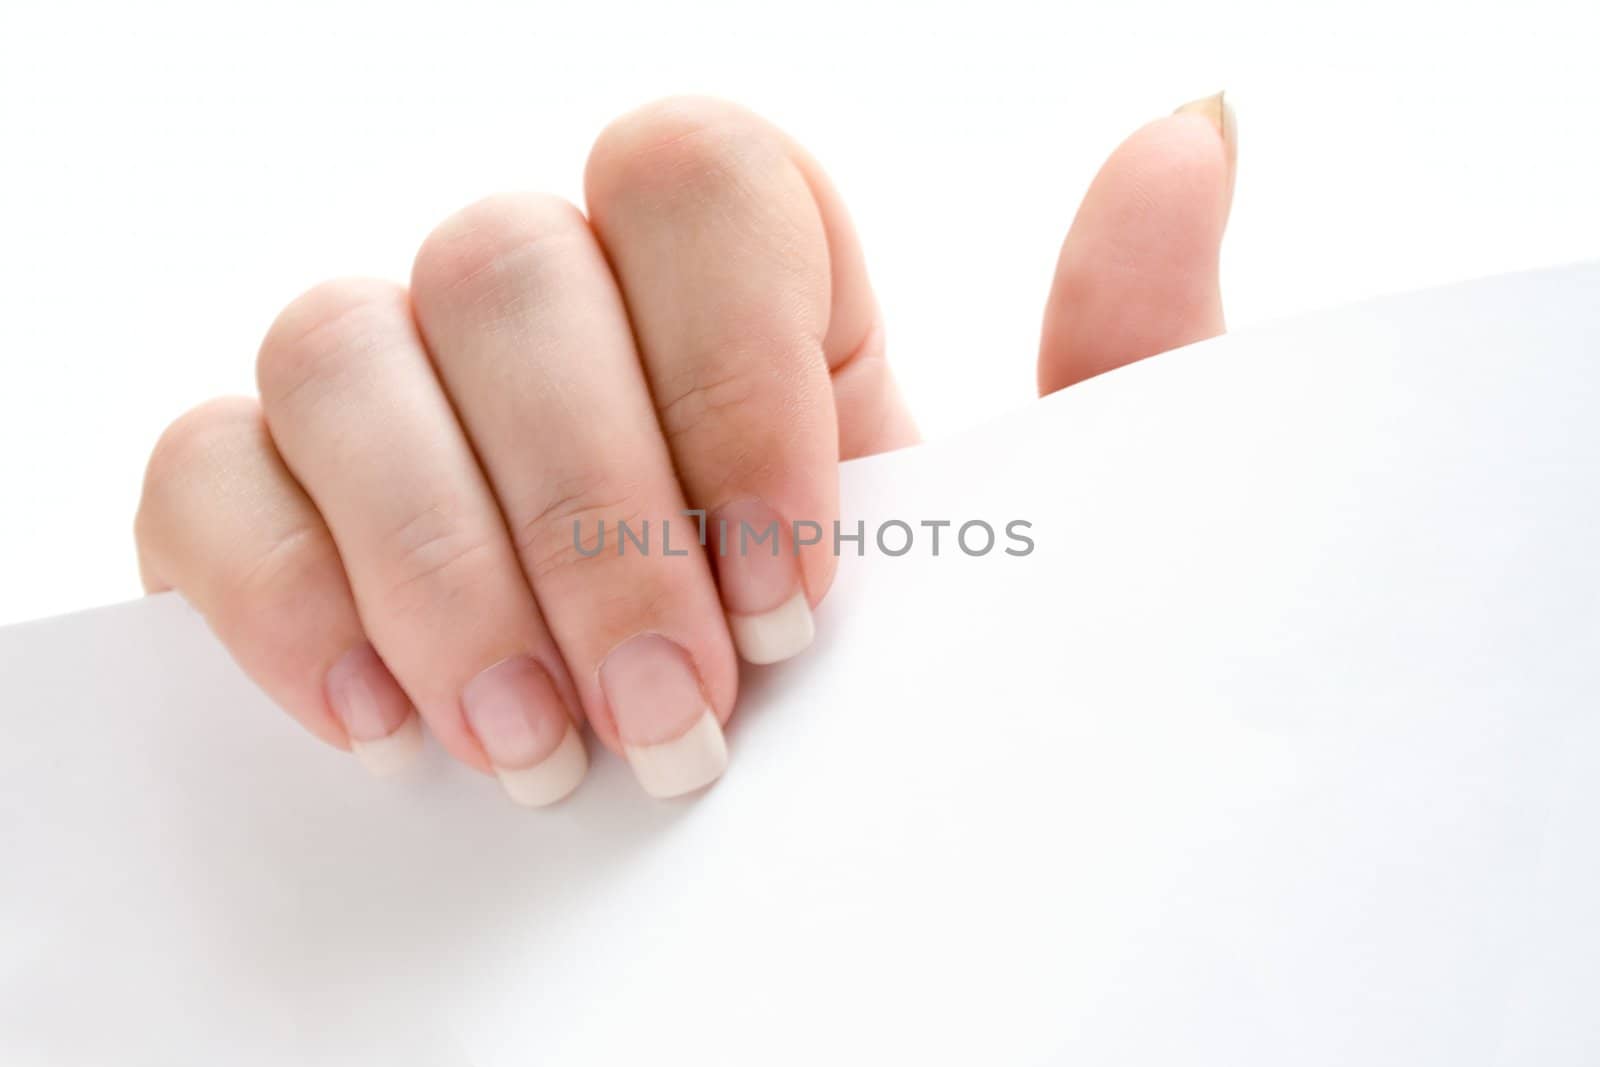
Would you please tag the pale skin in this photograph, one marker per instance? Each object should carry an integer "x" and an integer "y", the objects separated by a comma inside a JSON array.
[{"x": 384, "y": 537}]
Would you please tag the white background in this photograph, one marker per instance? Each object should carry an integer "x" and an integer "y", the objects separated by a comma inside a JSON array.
[{"x": 174, "y": 173}]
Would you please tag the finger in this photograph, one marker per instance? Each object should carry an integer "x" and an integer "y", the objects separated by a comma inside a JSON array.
[
  {"x": 723, "y": 261},
  {"x": 761, "y": 340},
  {"x": 355, "y": 410},
  {"x": 223, "y": 522},
  {"x": 1138, "y": 270},
  {"x": 528, "y": 332}
]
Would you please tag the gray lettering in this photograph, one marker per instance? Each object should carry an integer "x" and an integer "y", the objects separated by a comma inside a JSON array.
[
  {"x": 626, "y": 534},
  {"x": 961, "y": 537},
  {"x": 768, "y": 532},
  {"x": 1011, "y": 532},
  {"x": 859, "y": 537},
  {"x": 577, "y": 539},
  {"x": 884, "y": 547}
]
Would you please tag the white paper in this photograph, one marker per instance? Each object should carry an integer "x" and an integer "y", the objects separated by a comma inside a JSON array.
[{"x": 1280, "y": 748}]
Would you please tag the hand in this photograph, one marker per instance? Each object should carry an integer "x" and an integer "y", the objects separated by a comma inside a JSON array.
[{"x": 388, "y": 532}]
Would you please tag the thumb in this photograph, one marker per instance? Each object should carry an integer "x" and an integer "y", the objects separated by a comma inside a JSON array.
[{"x": 1138, "y": 271}]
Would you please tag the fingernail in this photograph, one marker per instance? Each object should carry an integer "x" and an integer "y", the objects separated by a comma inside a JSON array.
[
  {"x": 669, "y": 732},
  {"x": 385, "y": 733},
  {"x": 758, "y": 573},
  {"x": 1219, "y": 113},
  {"x": 522, "y": 723}
]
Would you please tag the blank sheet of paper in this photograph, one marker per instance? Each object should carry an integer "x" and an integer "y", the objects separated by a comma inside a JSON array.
[{"x": 1280, "y": 747}]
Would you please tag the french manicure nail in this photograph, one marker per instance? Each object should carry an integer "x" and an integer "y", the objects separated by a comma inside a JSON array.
[
  {"x": 385, "y": 733},
  {"x": 520, "y": 720},
  {"x": 669, "y": 732},
  {"x": 760, "y": 580}
]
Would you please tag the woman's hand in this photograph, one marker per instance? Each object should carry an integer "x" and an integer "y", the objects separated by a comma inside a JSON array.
[{"x": 388, "y": 532}]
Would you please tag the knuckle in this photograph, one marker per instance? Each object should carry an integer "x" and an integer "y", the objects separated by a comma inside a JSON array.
[
  {"x": 194, "y": 436},
  {"x": 196, "y": 441},
  {"x": 560, "y": 534},
  {"x": 437, "y": 556},
  {"x": 190, "y": 480},
  {"x": 275, "y": 580},
  {"x": 707, "y": 405},
  {"x": 325, "y": 331},
  {"x": 754, "y": 415},
  {"x": 263, "y": 598},
  {"x": 487, "y": 251},
  {"x": 678, "y": 147}
]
